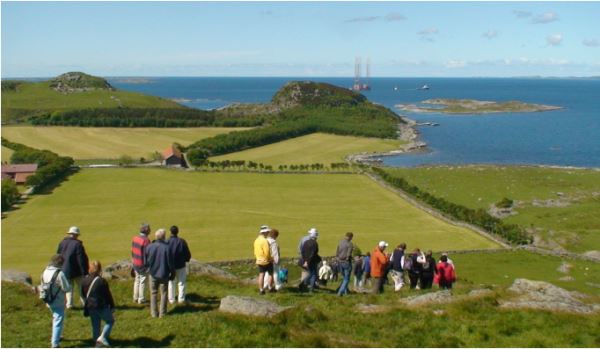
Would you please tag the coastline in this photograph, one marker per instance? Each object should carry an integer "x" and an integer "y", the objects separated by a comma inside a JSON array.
[{"x": 474, "y": 107}]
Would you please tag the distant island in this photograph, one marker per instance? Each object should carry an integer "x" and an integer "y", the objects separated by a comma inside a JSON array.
[{"x": 472, "y": 106}]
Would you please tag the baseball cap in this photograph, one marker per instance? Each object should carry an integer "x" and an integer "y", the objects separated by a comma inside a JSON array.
[
  {"x": 74, "y": 230},
  {"x": 383, "y": 244},
  {"x": 264, "y": 229}
]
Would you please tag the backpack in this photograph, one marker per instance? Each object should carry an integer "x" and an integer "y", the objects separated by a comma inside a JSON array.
[
  {"x": 408, "y": 262},
  {"x": 283, "y": 275},
  {"x": 45, "y": 289}
]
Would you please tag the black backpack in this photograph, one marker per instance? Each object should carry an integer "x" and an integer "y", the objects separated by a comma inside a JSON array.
[{"x": 45, "y": 289}]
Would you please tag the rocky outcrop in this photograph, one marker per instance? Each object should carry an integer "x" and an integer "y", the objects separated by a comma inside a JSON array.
[
  {"x": 484, "y": 292},
  {"x": 78, "y": 82},
  {"x": 196, "y": 267},
  {"x": 545, "y": 296},
  {"x": 438, "y": 297},
  {"x": 250, "y": 306},
  {"x": 595, "y": 255},
  {"x": 16, "y": 276}
]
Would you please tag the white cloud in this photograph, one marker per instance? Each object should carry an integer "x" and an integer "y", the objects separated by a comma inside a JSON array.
[
  {"x": 428, "y": 34},
  {"x": 390, "y": 17},
  {"x": 362, "y": 19},
  {"x": 490, "y": 34},
  {"x": 546, "y": 17},
  {"x": 591, "y": 42},
  {"x": 394, "y": 16},
  {"x": 455, "y": 63},
  {"x": 554, "y": 39},
  {"x": 522, "y": 14}
]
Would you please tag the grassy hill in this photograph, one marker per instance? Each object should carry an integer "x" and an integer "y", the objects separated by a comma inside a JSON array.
[
  {"x": 219, "y": 214},
  {"x": 324, "y": 320},
  {"x": 562, "y": 205},
  {"x": 314, "y": 148},
  {"x": 106, "y": 142},
  {"x": 6, "y": 153}
]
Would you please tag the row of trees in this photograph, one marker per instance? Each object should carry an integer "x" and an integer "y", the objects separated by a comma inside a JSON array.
[
  {"x": 479, "y": 217},
  {"x": 51, "y": 166},
  {"x": 251, "y": 165}
]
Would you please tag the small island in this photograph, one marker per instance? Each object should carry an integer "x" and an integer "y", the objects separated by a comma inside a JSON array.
[{"x": 472, "y": 106}]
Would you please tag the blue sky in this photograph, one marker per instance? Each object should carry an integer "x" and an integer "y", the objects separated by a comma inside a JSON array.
[{"x": 41, "y": 39}]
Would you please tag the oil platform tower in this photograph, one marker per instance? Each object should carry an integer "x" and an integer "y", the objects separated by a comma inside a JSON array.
[{"x": 358, "y": 84}]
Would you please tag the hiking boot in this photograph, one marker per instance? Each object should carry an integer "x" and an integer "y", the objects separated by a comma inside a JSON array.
[
  {"x": 272, "y": 290},
  {"x": 102, "y": 343},
  {"x": 262, "y": 292}
]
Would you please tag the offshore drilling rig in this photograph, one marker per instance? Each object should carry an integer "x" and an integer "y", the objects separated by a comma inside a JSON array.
[{"x": 364, "y": 85}]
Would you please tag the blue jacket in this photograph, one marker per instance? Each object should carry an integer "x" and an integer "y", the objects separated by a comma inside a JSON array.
[
  {"x": 76, "y": 260},
  {"x": 159, "y": 260},
  {"x": 367, "y": 264},
  {"x": 180, "y": 251}
]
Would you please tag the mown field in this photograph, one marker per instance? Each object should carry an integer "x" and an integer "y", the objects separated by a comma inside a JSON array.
[
  {"x": 106, "y": 142},
  {"x": 219, "y": 214},
  {"x": 573, "y": 223},
  {"x": 314, "y": 148},
  {"x": 324, "y": 320},
  {"x": 6, "y": 153}
]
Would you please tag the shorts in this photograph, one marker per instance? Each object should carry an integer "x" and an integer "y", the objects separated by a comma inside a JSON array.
[{"x": 266, "y": 268}]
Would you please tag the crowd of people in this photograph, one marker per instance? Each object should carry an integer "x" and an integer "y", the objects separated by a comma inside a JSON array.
[
  {"x": 373, "y": 269},
  {"x": 162, "y": 264}
]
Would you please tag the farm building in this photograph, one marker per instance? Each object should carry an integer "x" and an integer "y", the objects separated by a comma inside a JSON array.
[
  {"x": 18, "y": 173},
  {"x": 173, "y": 157}
]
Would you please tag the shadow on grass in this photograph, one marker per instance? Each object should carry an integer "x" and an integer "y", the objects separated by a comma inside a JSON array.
[
  {"x": 197, "y": 303},
  {"x": 143, "y": 342}
]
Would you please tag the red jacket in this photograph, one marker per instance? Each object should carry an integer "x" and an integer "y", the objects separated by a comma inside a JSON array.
[
  {"x": 138, "y": 249},
  {"x": 445, "y": 272},
  {"x": 378, "y": 263}
]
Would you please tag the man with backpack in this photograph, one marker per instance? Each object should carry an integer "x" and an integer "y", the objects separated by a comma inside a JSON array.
[
  {"x": 75, "y": 264},
  {"x": 344, "y": 258},
  {"x": 429, "y": 271},
  {"x": 139, "y": 243},
  {"x": 413, "y": 264},
  {"x": 54, "y": 286},
  {"x": 181, "y": 255},
  {"x": 397, "y": 271},
  {"x": 311, "y": 259}
]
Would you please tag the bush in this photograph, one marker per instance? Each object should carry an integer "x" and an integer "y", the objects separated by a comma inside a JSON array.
[
  {"x": 197, "y": 156},
  {"x": 10, "y": 194}
]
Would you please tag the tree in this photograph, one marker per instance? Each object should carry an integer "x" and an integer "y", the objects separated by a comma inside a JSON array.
[
  {"x": 10, "y": 194},
  {"x": 197, "y": 156},
  {"x": 125, "y": 160},
  {"x": 156, "y": 156}
]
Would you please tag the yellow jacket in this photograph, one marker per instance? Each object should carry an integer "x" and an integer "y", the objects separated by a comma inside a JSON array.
[{"x": 262, "y": 252}]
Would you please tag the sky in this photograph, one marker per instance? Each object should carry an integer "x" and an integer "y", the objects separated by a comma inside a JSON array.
[{"x": 301, "y": 39}]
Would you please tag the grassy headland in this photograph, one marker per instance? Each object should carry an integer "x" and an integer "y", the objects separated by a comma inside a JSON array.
[
  {"x": 218, "y": 213},
  {"x": 472, "y": 106}
]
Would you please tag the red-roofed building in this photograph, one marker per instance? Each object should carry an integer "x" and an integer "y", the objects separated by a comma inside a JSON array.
[
  {"x": 18, "y": 173},
  {"x": 173, "y": 157}
]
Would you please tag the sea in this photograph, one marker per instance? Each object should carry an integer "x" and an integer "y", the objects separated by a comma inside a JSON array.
[{"x": 566, "y": 137}]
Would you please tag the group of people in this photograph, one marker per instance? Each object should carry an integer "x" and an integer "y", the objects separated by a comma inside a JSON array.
[
  {"x": 421, "y": 268},
  {"x": 161, "y": 261}
]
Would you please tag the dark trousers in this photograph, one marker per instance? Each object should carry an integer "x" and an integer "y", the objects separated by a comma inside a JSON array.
[
  {"x": 378, "y": 284},
  {"x": 445, "y": 285},
  {"x": 414, "y": 279},
  {"x": 426, "y": 281}
]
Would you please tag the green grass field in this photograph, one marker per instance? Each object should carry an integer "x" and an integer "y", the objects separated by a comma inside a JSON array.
[
  {"x": 313, "y": 148},
  {"x": 576, "y": 226},
  {"x": 324, "y": 320},
  {"x": 6, "y": 153},
  {"x": 106, "y": 142},
  {"x": 39, "y": 96},
  {"x": 219, "y": 214}
]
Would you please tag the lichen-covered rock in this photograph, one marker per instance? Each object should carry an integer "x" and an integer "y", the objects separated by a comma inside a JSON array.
[
  {"x": 250, "y": 306},
  {"x": 371, "y": 308},
  {"x": 564, "y": 268},
  {"x": 16, "y": 276},
  {"x": 438, "y": 297},
  {"x": 483, "y": 292},
  {"x": 545, "y": 296}
]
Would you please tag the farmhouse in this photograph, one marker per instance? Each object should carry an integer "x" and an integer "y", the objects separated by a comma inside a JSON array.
[
  {"x": 18, "y": 173},
  {"x": 173, "y": 157}
]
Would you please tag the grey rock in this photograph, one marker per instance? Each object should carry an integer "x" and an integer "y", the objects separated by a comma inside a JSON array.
[
  {"x": 16, "y": 276},
  {"x": 567, "y": 278},
  {"x": 593, "y": 254},
  {"x": 483, "y": 292},
  {"x": 118, "y": 270},
  {"x": 564, "y": 268},
  {"x": 438, "y": 297},
  {"x": 371, "y": 308},
  {"x": 545, "y": 296},
  {"x": 250, "y": 306},
  {"x": 593, "y": 284}
]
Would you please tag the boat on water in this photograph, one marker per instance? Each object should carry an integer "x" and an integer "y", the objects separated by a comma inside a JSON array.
[
  {"x": 395, "y": 88},
  {"x": 424, "y": 87}
]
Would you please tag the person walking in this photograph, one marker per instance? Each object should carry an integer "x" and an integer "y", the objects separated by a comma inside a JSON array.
[
  {"x": 379, "y": 261},
  {"x": 429, "y": 271},
  {"x": 262, "y": 253},
  {"x": 58, "y": 287},
  {"x": 99, "y": 304},
  {"x": 139, "y": 243},
  {"x": 181, "y": 255},
  {"x": 160, "y": 264},
  {"x": 304, "y": 271},
  {"x": 75, "y": 264},
  {"x": 273, "y": 281},
  {"x": 446, "y": 274},
  {"x": 343, "y": 256},
  {"x": 414, "y": 267},
  {"x": 397, "y": 271},
  {"x": 311, "y": 259},
  {"x": 358, "y": 272},
  {"x": 367, "y": 269},
  {"x": 325, "y": 273}
]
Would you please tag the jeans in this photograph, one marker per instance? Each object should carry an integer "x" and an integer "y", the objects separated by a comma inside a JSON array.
[
  {"x": 398, "y": 278},
  {"x": 346, "y": 268},
  {"x": 155, "y": 285},
  {"x": 58, "y": 320},
  {"x": 312, "y": 276},
  {"x": 76, "y": 285},
  {"x": 180, "y": 275},
  {"x": 139, "y": 286},
  {"x": 97, "y": 315}
]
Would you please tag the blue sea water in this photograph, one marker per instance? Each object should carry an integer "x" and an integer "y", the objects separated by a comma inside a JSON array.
[{"x": 566, "y": 137}]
